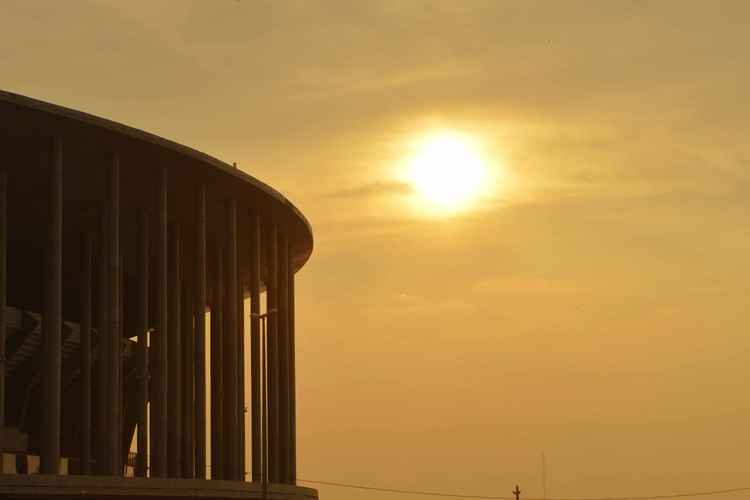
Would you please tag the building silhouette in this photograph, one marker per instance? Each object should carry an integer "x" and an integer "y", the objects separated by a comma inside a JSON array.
[{"x": 126, "y": 262}]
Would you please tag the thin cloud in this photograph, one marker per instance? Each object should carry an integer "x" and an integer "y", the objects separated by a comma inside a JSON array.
[{"x": 380, "y": 188}]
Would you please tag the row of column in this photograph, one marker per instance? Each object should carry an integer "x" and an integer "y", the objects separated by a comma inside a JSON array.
[
  {"x": 174, "y": 386},
  {"x": 276, "y": 448}
]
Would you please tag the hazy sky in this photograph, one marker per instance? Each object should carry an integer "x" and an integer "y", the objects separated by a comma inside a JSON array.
[{"x": 593, "y": 308}]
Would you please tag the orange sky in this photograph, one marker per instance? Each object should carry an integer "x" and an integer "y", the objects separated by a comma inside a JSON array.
[{"x": 594, "y": 308}]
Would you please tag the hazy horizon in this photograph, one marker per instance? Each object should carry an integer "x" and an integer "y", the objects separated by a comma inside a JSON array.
[{"x": 590, "y": 305}]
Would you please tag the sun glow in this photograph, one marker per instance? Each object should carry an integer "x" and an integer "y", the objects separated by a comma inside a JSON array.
[{"x": 447, "y": 171}]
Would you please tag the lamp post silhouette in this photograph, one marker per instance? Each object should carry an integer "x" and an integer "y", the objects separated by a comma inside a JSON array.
[{"x": 263, "y": 398}]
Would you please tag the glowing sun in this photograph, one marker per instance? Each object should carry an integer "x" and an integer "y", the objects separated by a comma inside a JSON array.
[{"x": 447, "y": 171}]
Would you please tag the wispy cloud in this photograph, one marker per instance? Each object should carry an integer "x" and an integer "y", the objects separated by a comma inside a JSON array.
[{"x": 379, "y": 188}]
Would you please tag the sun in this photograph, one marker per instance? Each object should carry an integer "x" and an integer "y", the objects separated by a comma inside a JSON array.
[{"x": 447, "y": 171}]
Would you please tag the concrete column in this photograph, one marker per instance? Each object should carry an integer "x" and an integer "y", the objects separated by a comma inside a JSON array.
[
  {"x": 123, "y": 443},
  {"x": 217, "y": 370},
  {"x": 283, "y": 346},
  {"x": 230, "y": 350},
  {"x": 292, "y": 379},
  {"x": 272, "y": 333},
  {"x": 3, "y": 288},
  {"x": 50, "y": 459},
  {"x": 241, "y": 416},
  {"x": 174, "y": 407},
  {"x": 200, "y": 339},
  {"x": 142, "y": 354},
  {"x": 188, "y": 377},
  {"x": 102, "y": 345},
  {"x": 255, "y": 378},
  {"x": 85, "y": 331},
  {"x": 159, "y": 339},
  {"x": 115, "y": 334}
]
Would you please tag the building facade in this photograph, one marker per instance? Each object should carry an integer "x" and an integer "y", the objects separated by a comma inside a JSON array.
[{"x": 135, "y": 275}]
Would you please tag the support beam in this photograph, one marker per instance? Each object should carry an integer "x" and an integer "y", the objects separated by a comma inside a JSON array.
[
  {"x": 255, "y": 379},
  {"x": 85, "y": 332},
  {"x": 283, "y": 346},
  {"x": 188, "y": 377},
  {"x": 102, "y": 344},
  {"x": 3, "y": 288},
  {"x": 115, "y": 334},
  {"x": 159, "y": 339},
  {"x": 200, "y": 339},
  {"x": 126, "y": 429},
  {"x": 230, "y": 350},
  {"x": 217, "y": 372},
  {"x": 142, "y": 367},
  {"x": 174, "y": 407},
  {"x": 241, "y": 409},
  {"x": 273, "y": 356},
  {"x": 292, "y": 378},
  {"x": 50, "y": 459}
]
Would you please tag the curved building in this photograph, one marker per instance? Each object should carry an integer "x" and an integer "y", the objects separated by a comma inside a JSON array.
[{"x": 135, "y": 273}]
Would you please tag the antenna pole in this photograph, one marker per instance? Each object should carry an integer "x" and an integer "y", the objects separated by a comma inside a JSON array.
[{"x": 517, "y": 492}]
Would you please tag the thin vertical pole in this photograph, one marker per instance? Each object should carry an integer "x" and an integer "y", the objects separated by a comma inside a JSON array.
[
  {"x": 255, "y": 406},
  {"x": 174, "y": 409},
  {"x": 273, "y": 356},
  {"x": 114, "y": 318},
  {"x": 85, "y": 331},
  {"x": 200, "y": 340},
  {"x": 159, "y": 401},
  {"x": 3, "y": 287},
  {"x": 264, "y": 405},
  {"x": 142, "y": 357},
  {"x": 102, "y": 345},
  {"x": 217, "y": 386},
  {"x": 283, "y": 353},
  {"x": 188, "y": 377},
  {"x": 292, "y": 379},
  {"x": 50, "y": 459},
  {"x": 230, "y": 350},
  {"x": 241, "y": 410}
]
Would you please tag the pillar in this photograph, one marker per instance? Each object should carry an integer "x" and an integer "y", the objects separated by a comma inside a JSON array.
[
  {"x": 283, "y": 355},
  {"x": 292, "y": 379},
  {"x": 174, "y": 347},
  {"x": 187, "y": 396},
  {"x": 3, "y": 287},
  {"x": 102, "y": 345},
  {"x": 200, "y": 339},
  {"x": 230, "y": 350},
  {"x": 241, "y": 410},
  {"x": 217, "y": 393},
  {"x": 255, "y": 378},
  {"x": 142, "y": 353},
  {"x": 123, "y": 442},
  {"x": 50, "y": 459},
  {"x": 85, "y": 332},
  {"x": 273, "y": 356},
  {"x": 159, "y": 339},
  {"x": 115, "y": 334}
]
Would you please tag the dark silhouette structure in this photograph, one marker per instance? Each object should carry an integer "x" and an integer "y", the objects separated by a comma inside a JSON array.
[{"x": 114, "y": 246}]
